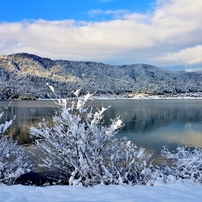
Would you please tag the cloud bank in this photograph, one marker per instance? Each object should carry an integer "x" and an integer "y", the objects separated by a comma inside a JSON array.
[{"x": 169, "y": 35}]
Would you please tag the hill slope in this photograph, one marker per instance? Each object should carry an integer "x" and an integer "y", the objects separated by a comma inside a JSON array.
[{"x": 28, "y": 74}]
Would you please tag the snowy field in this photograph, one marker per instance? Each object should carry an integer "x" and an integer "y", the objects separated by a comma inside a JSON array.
[{"x": 174, "y": 192}]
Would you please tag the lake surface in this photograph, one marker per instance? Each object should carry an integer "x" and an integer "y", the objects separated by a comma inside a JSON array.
[{"x": 148, "y": 123}]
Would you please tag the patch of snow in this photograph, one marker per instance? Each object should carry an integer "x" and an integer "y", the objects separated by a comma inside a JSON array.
[
  {"x": 135, "y": 97},
  {"x": 175, "y": 192}
]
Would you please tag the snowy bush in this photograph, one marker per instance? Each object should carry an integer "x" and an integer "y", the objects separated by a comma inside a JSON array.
[
  {"x": 13, "y": 160},
  {"x": 163, "y": 173},
  {"x": 186, "y": 163},
  {"x": 86, "y": 151}
]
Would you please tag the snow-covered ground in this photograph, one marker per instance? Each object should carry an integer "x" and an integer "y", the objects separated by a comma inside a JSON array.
[
  {"x": 137, "y": 97},
  {"x": 144, "y": 96},
  {"x": 174, "y": 192}
]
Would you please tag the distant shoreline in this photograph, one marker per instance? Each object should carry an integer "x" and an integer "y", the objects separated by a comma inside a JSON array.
[
  {"x": 123, "y": 97},
  {"x": 152, "y": 97}
]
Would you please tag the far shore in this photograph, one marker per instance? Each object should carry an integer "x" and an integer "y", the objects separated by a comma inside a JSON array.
[
  {"x": 157, "y": 97},
  {"x": 140, "y": 96}
]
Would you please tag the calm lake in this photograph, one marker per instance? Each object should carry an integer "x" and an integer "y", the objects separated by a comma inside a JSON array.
[{"x": 148, "y": 123}]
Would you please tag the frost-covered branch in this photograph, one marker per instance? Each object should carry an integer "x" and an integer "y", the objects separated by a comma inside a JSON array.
[
  {"x": 88, "y": 152},
  {"x": 14, "y": 162},
  {"x": 186, "y": 162}
]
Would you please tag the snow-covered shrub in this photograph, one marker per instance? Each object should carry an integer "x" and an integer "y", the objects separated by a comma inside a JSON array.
[
  {"x": 14, "y": 162},
  {"x": 163, "y": 173},
  {"x": 186, "y": 163},
  {"x": 88, "y": 152}
]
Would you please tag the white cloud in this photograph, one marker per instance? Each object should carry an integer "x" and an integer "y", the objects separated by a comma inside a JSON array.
[
  {"x": 187, "y": 56},
  {"x": 169, "y": 35},
  {"x": 175, "y": 19},
  {"x": 66, "y": 38},
  {"x": 117, "y": 14},
  {"x": 193, "y": 69}
]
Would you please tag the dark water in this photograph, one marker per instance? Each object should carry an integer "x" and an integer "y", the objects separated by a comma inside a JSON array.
[{"x": 148, "y": 123}]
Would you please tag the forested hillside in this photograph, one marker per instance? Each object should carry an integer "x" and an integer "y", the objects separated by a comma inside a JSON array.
[{"x": 24, "y": 76}]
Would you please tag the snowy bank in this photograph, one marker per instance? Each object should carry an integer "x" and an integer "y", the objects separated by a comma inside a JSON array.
[
  {"x": 146, "y": 97},
  {"x": 177, "y": 191}
]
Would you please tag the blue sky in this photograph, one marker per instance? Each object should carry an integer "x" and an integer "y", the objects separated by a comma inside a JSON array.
[
  {"x": 163, "y": 33},
  {"x": 66, "y": 9}
]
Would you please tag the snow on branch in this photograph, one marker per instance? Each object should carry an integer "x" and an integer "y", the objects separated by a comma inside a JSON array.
[
  {"x": 89, "y": 153},
  {"x": 14, "y": 162},
  {"x": 186, "y": 162}
]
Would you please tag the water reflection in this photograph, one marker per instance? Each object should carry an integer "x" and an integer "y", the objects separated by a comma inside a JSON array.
[
  {"x": 154, "y": 123},
  {"x": 28, "y": 113},
  {"x": 148, "y": 123}
]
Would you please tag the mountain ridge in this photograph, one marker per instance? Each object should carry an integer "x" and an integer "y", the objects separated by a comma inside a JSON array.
[{"x": 24, "y": 73}]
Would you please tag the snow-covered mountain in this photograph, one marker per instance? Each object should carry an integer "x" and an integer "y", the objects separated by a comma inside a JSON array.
[{"x": 24, "y": 74}]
